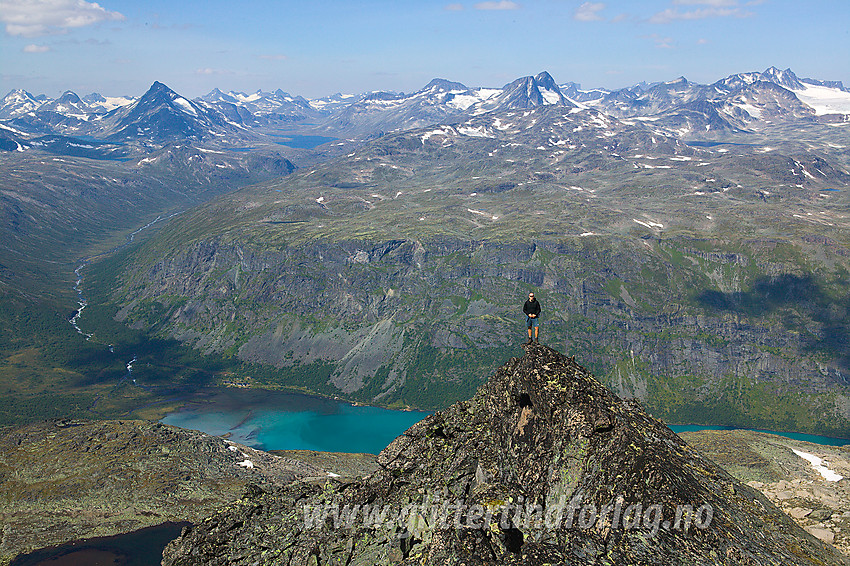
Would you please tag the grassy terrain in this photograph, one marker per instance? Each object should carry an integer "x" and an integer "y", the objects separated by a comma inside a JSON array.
[
  {"x": 710, "y": 283},
  {"x": 58, "y": 211}
]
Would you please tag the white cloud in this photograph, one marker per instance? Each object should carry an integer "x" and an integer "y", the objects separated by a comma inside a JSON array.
[
  {"x": 274, "y": 57},
  {"x": 211, "y": 71},
  {"x": 662, "y": 42},
  {"x": 33, "y": 48},
  {"x": 453, "y": 7},
  {"x": 673, "y": 14},
  {"x": 589, "y": 12},
  {"x": 32, "y": 18},
  {"x": 501, "y": 5}
]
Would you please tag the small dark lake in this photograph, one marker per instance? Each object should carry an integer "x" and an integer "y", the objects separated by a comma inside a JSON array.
[
  {"x": 138, "y": 548},
  {"x": 716, "y": 143}
]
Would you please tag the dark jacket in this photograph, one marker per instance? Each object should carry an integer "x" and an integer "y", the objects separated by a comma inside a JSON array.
[{"x": 531, "y": 307}]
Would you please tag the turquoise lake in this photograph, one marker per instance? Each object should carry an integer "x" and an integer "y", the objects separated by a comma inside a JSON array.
[{"x": 278, "y": 421}]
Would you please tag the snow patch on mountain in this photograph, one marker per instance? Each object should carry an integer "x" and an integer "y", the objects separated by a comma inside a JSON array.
[
  {"x": 185, "y": 105},
  {"x": 477, "y": 132},
  {"x": 825, "y": 100},
  {"x": 461, "y": 100}
]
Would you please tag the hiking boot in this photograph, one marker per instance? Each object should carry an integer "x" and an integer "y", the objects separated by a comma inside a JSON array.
[
  {"x": 528, "y": 343},
  {"x": 537, "y": 341}
]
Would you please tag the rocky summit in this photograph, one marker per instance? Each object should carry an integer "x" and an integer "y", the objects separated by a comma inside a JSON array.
[{"x": 542, "y": 466}]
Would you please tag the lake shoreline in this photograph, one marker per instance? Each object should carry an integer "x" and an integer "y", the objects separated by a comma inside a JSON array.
[{"x": 256, "y": 417}]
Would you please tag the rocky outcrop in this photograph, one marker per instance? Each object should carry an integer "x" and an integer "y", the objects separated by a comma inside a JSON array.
[
  {"x": 817, "y": 498},
  {"x": 542, "y": 466},
  {"x": 65, "y": 480}
]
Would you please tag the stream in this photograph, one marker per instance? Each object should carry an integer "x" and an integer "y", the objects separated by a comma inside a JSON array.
[
  {"x": 82, "y": 303},
  {"x": 78, "y": 286}
]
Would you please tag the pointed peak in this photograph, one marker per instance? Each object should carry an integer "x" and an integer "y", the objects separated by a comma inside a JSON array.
[
  {"x": 158, "y": 88},
  {"x": 785, "y": 78},
  {"x": 546, "y": 79}
]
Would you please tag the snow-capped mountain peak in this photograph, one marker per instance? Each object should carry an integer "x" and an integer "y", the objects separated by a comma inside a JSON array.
[
  {"x": 785, "y": 78},
  {"x": 526, "y": 92},
  {"x": 17, "y": 103}
]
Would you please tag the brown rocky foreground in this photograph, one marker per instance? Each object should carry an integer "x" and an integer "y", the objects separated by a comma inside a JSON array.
[
  {"x": 542, "y": 466},
  {"x": 69, "y": 480},
  {"x": 768, "y": 463}
]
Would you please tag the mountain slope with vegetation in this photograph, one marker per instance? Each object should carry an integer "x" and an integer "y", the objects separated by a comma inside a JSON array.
[
  {"x": 710, "y": 282},
  {"x": 690, "y": 238}
]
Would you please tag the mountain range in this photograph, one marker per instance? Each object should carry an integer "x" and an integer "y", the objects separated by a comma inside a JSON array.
[
  {"x": 690, "y": 239},
  {"x": 738, "y": 103}
]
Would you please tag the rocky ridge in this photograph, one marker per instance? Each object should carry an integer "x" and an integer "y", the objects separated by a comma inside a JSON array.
[{"x": 542, "y": 466}]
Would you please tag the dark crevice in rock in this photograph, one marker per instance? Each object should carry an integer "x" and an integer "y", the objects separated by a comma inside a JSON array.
[{"x": 513, "y": 539}]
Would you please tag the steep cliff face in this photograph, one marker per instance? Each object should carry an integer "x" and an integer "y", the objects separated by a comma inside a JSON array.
[
  {"x": 542, "y": 466},
  {"x": 699, "y": 330}
]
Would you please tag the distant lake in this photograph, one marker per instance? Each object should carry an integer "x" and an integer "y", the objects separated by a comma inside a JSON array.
[
  {"x": 303, "y": 142},
  {"x": 270, "y": 420},
  {"x": 716, "y": 143}
]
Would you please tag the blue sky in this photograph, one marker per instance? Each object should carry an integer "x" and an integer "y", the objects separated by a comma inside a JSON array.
[{"x": 315, "y": 48}]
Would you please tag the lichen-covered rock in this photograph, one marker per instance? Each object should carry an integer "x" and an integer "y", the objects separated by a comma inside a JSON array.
[{"x": 542, "y": 466}]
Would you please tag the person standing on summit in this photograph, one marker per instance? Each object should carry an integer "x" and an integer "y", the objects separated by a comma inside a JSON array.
[{"x": 531, "y": 308}]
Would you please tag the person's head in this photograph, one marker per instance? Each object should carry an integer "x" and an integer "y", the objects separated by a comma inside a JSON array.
[{"x": 531, "y": 296}]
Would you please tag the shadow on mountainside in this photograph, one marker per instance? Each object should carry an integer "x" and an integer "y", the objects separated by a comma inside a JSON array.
[{"x": 797, "y": 301}]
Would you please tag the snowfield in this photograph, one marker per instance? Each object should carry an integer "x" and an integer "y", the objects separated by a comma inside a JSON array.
[
  {"x": 819, "y": 465},
  {"x": 185, "y": 105},
  {"x": 825, "y": 100}
]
